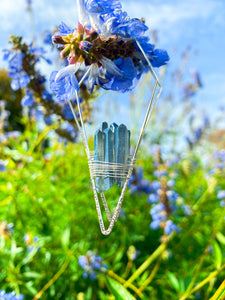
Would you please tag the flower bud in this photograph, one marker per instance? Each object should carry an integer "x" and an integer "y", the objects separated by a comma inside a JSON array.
[
  {"x": 58, "y": 39},
  {"x": 85, "y": 46}
]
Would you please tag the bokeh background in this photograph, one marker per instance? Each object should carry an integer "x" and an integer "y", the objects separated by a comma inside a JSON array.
[{"x": 169, "y": 241}]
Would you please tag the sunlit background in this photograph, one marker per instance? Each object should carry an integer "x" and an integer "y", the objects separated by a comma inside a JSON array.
[{"x": 169, "y": 241}]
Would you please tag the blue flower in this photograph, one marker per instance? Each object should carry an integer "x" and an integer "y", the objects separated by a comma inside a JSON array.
[
  {"x": 47, "y": 39},
  {"x": 90, "y": 11},
  {"x": 172, "y": 195},
  {"x": 28, "y": 99},
  {"x": 91, "y": 264},
  {"x": 220, "y": 155},
  {"x": 157, "y": 57},
  {"x": 10, "y": 296},
  {"x": 64, "y": 83},
  {"x": 3, "y": 165},
  {"x": 64, "y": 30},
  {"x": 155, "y": 224},
  {"x": 13, "y": 134},
  {"x": 138, "y": 184},
  {"x": 67, "y": 112},
  {"x": 36, "y": 239},
  {"x": 123, "y": 81},
  {"x": 46, "y": 96},
  {"x": 170, "y": 182},
  {"x": 133, "y": 28},
  {"x": 157, "y": 212},
  {"x": 20, "y": 78},
  {"x": 221, "y": 194},
  {"x": 82, "y": 261},
  {"x": 153, "y": 198},
  {"x": 155, "y": 185},
  {"x": 48, "y": 120},
  {"x": 6, "y": 54},
  {"x": 101, "y": 7},
  {"x": 170, "y": 227},
  {"x": 186, "y": 209},
  {"x": 160, "y": 173},
  {"x": 39, "y": 53}
]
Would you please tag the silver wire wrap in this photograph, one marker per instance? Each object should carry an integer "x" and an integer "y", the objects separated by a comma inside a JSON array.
[
  {"x": 104, "y": 169},
  {"x": 110, "y": 169}
]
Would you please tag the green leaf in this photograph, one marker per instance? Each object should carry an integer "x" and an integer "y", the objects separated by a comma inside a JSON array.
[
  {"x": 66, "y": 238},
  {"x": 119, "y": 255},
  {"x": 89, "y": 294},
  {"x": 15, "y": 250},
  {"x": 30, "y": 288},
  {"x": 32, "y": 274},
  {"x": 120, "y": 292},
  {"x": 28, "y": 258},
  {"x": 218, "y": 254},
  {"x": 174, "y": 281},
  {"x": 220, "y": 237}
]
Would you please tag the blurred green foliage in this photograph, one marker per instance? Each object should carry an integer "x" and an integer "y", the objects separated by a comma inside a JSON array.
[{"x": 49, "y": 196}]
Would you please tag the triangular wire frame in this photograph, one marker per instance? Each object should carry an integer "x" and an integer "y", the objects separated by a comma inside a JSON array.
[{"x": 113, "y": 218}]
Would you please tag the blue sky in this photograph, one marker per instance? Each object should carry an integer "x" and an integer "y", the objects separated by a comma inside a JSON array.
[{"x": 179, "y": 23}]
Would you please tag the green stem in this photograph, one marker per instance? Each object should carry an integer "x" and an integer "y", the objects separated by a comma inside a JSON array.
[
  {"x": 146, "y": 264},
  {"x": 206, "y": 280},
  {"x": 41, "y": 137},
  {"x": 198, "y": 268},
  {"x": 54, "y": 278},
  {"x": 220, "y": 292},
  {"x": 122, "y": 281},
  {"x": 152, "y": 275}
]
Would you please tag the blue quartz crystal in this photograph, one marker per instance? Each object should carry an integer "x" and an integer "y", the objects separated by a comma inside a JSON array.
[
  {"x": 122, "y": 151},
  {"x": 99, "y": 153},
  {"x": 113, "y": 126},
  {"x": 104, "y": 126},
  {"x": 112, "y": 146},
  {"x": 109, "y": 158}
]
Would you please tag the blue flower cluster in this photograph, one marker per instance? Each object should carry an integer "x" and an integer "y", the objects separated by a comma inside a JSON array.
[
  {"x": 16, "y": 71},
  {"x": 10, "y": 296},
  {"x": 5, "y": 136},
  {"x": 197, "y": 133},
  {"x": 3, "y": 165},
  {"x": 163, "y": 206},
  {"x": 64, "y": 83},
  {"x": 31, "y": 242},
  {"x": 167, "y": 205},
  {"x": 190, "y": 89},
  {"x": 138, "y": 184},
  {"x": 218, "y": 167},
  {"x": 107, "y": 41},
  {"x": 21, "y": 69},
  {"x": 221, "y": 197},
  {"x": 92, "y": 264}
]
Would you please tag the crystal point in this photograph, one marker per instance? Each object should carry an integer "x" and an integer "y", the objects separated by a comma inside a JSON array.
[
  {"x": 104, "y": 126},
  {"x": 122, "y": 151},
  {"x": 109, "y": 158},
  {"x": 111, "y": 152},
  {"x": 99, "y": 153}
]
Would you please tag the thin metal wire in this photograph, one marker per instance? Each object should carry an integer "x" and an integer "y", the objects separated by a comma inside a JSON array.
[
  {"x": 106, "y": 207},
  {"x": 92, "y": 165},
  {"x": 85, "y": 76}
]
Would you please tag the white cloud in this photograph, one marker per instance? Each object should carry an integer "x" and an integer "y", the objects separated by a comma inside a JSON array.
[
  {"x": 11, "y": 13},
  {"x": 171, "y": 17},
  {"x": 174, "y": 12}
]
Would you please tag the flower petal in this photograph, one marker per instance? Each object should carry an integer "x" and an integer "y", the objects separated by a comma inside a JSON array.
[
  {"x": 71, "y": 69},
  {"x": 110, "y": 66}
]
